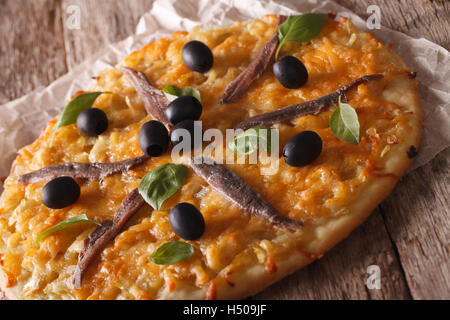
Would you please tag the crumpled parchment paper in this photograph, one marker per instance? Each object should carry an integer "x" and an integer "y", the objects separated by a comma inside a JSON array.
[{"x": 21, "y": 120}]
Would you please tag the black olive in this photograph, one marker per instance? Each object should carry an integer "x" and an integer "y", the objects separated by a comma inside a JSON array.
[
  {"x": 153, "y": 138},
  {"x": 60, "y": 193},
  {"x": 187, "y": 221},
  {"x": 183, "y": 108},
  {"x": 197, "y": 56},
  {"x": 92, "y": 122},
  {"x": 291, "y": 72},
  {"x": 302, "y": 149},
  {"x": 177, "y": 134}
]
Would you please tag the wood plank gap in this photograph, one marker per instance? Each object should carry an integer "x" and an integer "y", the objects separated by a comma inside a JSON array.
[
  {"x": 66, "y": 61},
  {"x": 65, "y": 43},
  {"x": 397, "y": 255}
]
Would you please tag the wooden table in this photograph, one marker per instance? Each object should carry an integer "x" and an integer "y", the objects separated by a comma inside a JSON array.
[{"x": 408, "y": 234}]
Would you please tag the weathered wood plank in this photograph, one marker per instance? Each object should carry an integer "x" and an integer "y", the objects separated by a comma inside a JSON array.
[
  {"x": 101, "y": 22},
  {"x": 31, "y": 46},
  {"x": 419, "y": 18},
  {"x": 417, "y": 216}
]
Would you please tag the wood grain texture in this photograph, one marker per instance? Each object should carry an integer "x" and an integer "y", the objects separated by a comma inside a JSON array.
[
  {"x": 418, "y": 18},
  {"x": 407, "y": 236},
  {"x": 101, "y": 22},
  {"x": 417, "y": 217},
  {"x": 31, "y": 46}
]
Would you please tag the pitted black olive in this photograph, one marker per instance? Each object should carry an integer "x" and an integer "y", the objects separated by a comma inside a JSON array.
[
  {"x": 187, "y": 221},
  {"x": 302, "y": 149},
  {"x": 290, "y": 72},
  {"x": 197, "y": 56},
  {"x": 184, "y": 108},
  {"x": 153, "y": 138},
  {"x": 92, "y": 122},
  {"x": 60, "y": 193}
]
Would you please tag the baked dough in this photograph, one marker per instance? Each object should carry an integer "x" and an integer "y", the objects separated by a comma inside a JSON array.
[{"x": 237, "y": 256}]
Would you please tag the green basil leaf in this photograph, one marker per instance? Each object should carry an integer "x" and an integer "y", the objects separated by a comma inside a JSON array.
[
  {"x": 248, "y": 141},
  {"x": 173, "y": 92},
  {"x": 161, "y": 183},
  {"x": 344, "y": 123},
  {"x": 64, "y": 224},
  {"x": 172, "y": 252},
  {"x": 71, "y": 111},
  {"x": 300, "y": 28}
]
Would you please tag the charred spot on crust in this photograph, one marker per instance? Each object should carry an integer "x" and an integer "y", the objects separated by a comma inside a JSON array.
[
  {"x": 212, "y": 292},
  {"x": 231, "y": 284},
  {"x": 412, "y": 152},
  {"x": 331, "y": 15},
  {"x": 271, "y": 267},
  {"x": 412, "y": 74}
]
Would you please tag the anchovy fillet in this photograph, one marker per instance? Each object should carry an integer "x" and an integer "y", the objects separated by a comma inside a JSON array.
[
  {"x": 89, "y": 171},
  {"x": 242, "y": 82},
  {"x": 104, "y": 234},
  {"x": 155, "y": 101},
  {"x": 302, "y": 109},
  {"x": 235, "y": 189}
]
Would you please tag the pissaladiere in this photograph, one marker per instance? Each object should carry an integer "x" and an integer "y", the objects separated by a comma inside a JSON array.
[{"x": 253, "y": 229}]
